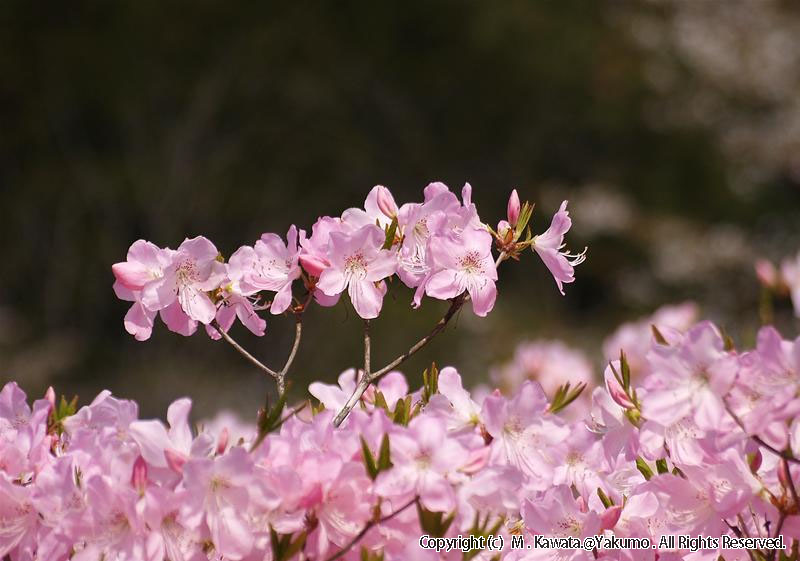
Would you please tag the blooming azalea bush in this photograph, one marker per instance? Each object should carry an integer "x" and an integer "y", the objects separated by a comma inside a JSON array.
[{"x": 685, "y": 435}]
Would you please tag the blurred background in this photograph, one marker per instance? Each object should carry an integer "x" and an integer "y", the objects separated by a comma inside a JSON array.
[{"x": 673, "y": 127}]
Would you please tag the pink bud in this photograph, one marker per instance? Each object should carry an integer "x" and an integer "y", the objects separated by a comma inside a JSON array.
[
  {"x": 139, "y": 475},
  {"x": 175, "y": 460},
  {"x": 755, "y": 462},
  {"x": 50, "y": 396},
  {"x": 313, "y": 264},
  {"x": 615, "y": 390},
  {"x": 222, "y": 441},
  {"x": 766, "y": 272},
  {"x": 386, "y": 202},
  {"x": 131, "y": 275},
  {"x": 582, "y": 506},
  {"x": 512, "y": 211},
  {"x": 610, "y": 517}
]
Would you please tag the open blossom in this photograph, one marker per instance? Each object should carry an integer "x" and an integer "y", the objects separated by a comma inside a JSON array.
[
  {"x": 550, "y": 247},
  {"x": 419, "y": 221},
  {"x": 193, "y": 271},
  {"x": 145, "y": 263},
  {"x": 359, "y": 265},
  {"x": 461, "y": 264},
  {"x": 270, "y": 265},
  {"x": 424, "y": 458},
  {"x": 636, "y": 338},
  {"x": 689, "y": 378}
]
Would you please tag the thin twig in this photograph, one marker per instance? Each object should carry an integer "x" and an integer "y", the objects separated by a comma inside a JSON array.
[
  {"x": 367, "y": 351},
  {"x": 298, "y": 334},
  {"x": 366, "y": 379},
  {"x": 792, "y": 488},
  {"x": 455, "y": 305},
  {"x": 785, "y": 455},
  {"x": 367, "y": 527},
  {"x": 242, "y": 351}
]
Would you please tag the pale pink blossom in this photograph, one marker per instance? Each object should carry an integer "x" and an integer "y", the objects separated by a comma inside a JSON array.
[
  {"x": 359, "y": 265},
  {"x": 193, "y": 272},
  {"x": 462, "y": 264},
  {"x": 550, "y": 247}
]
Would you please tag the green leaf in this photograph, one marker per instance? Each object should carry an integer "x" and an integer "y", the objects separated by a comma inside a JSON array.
[
  {"x": 728, "y": 341},
  {"x": 643, "y": 468},
  {"x": 380, "y": 401},
  {"x": 384, "y": 454},
  {"x": 604, "y": 498},
  {"x": 434, "y": 524},
  {"x": 367, "y": 555},
  {"x": 391, "y": 231},
  {"x": 430, "y": 383},
  {"x": 626, "y": 370},
  {"x": 295, "y": 546},
  {"x": 564, "y": 396},
  {"x": 64, "y": 410},
  {"x": 661, "y": 466},
  {"x": 369, "y": 459},
  {"x": 658, "y": 336},
  {"x": 269, "y": 418}
]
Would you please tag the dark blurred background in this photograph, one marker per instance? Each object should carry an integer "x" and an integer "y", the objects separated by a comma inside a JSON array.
[{"x": 672, "y": 126}]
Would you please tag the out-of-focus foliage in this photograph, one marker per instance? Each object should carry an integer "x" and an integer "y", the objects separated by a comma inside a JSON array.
[{"x": 139, "y": 119}]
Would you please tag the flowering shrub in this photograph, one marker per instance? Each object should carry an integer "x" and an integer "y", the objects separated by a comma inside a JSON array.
[{"x": 693, "y": 438}]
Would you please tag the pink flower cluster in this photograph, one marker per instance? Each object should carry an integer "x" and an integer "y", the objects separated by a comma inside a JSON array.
[
  {"x": 439, "y": 247},
  {"x": 702, "y": 443}
]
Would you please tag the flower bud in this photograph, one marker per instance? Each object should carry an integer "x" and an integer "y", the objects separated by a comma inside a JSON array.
[
  {"x": 615, "y": 390},
  {"x": 767, "y": 273},
  {"x": 50, "y": 396},
  {"x": 222, "y": 441},
  {"x": 139, "y": 475},
  {"x": 313, "y": 264},
  {"x": 755, "y": 460},
  {"x": 386, "y": 202},
  {"x": 512, "y": 212},
  {"x": 610, "y": 517}
]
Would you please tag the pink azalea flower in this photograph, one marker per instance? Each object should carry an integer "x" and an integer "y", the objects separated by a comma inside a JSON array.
[
  {"x": 764, "y": 395},
  {"x": 217, "y": 493},
  {"x": 423, "y": 457},
  {"x": 193, "y": 272},
  {"x": 19, "y": 521},
  {"x": 636, "y": 338},
  {"x": 524, "y": 435},
  {"x": 154, "y": 439},
  {"x": 358, "y": 265},
  {"x": 418, "y": 222},
  {"x": 269, "y": 265},
  {"x": 378, "y": 209},
  {"x": 460, "y": 264},
  {"x": 689, "y": 378},
  {"x": 557, "y": 514},
  {"x": 145, "y": 263},
  {"x": 550, "y": 245},
  {"x": 454, "y": 404}
]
